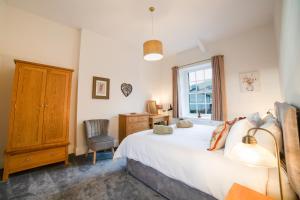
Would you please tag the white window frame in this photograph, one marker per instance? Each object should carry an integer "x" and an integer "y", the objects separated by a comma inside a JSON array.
[{"x": 184, "y": 106}]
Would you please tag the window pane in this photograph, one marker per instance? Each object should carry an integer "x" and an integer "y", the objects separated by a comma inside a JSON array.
[
  {"x": 193, "y": 108},
  {"x": 208, "y": 97},
  {"x": 200, "y": 98},
  {"x": 208, "y": 74},
  {"x": 208, "y": 108},
  {"x": 192, "y": 98},
  {"x": 201, "y": 87},
  {"x": 201, "y": 108},
  {"x": 200, "y": 75},
  {"x": 208, "y": 88},
  {"x": 193, "y": 87},
  {"x": 192, "y": 77}
]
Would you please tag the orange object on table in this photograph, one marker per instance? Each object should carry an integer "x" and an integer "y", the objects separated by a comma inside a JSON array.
[{"x": 239, "y": 192}]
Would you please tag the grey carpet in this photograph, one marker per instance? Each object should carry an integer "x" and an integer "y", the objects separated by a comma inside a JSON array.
[{"x": 107, "y": 180}]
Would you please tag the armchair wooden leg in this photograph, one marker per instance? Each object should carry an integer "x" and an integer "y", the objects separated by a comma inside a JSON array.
[
  {"x": 94, "y": 159},
  {"x": 113, "y": 150}
]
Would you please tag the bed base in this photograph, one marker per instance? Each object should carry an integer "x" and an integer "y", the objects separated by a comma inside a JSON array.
[{"x": 167, "y": 187}]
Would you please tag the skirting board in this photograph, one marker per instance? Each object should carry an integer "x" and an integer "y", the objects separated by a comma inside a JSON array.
[{"x": 167, "y": 187}]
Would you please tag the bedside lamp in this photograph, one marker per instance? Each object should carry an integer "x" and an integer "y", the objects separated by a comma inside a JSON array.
[
  {"x": 159, "y": 109},
  {"x": 254, "y": 155}
]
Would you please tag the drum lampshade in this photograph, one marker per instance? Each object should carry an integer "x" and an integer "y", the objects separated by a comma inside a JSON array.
[{"x": 153, "y": 50}]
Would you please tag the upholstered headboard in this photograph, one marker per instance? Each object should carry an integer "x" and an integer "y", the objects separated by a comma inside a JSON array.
[{"x": 287, "y": 116}]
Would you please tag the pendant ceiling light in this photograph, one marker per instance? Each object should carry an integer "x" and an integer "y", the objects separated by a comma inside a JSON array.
[{"x": 153, "y": 49}]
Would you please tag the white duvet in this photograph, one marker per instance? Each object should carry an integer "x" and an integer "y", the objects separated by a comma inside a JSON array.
[{"x": 183, "y": 156}]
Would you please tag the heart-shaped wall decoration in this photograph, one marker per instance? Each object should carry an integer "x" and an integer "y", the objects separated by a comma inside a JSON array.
[{"x": 126, "y": 89}]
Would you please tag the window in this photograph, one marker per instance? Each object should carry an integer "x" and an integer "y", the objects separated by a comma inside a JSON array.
[
  {"x": 196, "y": 91},
  {"x": 200, "y": 91}
]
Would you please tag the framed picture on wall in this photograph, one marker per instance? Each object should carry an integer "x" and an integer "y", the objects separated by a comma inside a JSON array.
[
  {"x": 100, "y": 88},
  {"x": 250, "y": 82}
]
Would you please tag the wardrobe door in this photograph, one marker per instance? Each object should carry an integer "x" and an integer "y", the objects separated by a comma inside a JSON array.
[
  {"x": 56, "y": 121},
  {"x": 27, "y": 107}
]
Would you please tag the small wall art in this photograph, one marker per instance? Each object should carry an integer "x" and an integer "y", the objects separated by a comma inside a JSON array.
[
  {"x": 126, "y": 89},
  {"x": 100, "y": 88},
  {"x": 250, "y": 81}
]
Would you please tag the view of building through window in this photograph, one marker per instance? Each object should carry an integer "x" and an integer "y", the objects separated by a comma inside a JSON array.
[{"x": 200, "y": 92}]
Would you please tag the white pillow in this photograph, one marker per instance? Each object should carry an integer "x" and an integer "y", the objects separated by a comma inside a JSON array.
[
  {"x": 266, "y": 140},
  {"x": 236, "y": 134},
  {"x": 270, "y": 118}
]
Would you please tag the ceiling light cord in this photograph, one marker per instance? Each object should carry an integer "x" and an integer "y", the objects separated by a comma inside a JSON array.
[
  {"x": 152, "y": 24},
  {"x": 152, "y": 9}
]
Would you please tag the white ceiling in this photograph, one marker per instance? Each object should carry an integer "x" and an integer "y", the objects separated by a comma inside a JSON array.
[{"x": 178, "y": 23}]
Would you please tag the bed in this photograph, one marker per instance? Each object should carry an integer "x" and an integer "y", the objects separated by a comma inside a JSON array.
[{"x": 178, "y": 166}]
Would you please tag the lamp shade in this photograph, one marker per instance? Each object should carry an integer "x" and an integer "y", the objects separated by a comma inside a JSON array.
[
  {"x": 153, "y": 50},
  {"x": 159, "y": 106},
  {"x": 253, "y": 155}
]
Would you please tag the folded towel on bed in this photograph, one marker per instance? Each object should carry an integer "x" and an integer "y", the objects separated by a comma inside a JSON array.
[
  {"x": 162, "y": 130},
  {"x": 184, "y": 124}
]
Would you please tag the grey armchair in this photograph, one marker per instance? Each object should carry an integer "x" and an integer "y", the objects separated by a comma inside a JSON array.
[{"x": 97, "y": 136}]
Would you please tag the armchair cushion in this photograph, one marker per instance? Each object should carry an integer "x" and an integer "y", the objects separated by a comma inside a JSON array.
[{"x": 100, "y": 142}]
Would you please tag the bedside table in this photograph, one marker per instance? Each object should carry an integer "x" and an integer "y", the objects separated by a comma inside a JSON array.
[{"x": 239, "y": 192}]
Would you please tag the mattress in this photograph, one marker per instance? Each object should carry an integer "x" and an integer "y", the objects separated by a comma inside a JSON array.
[{"x": 166, "y": 186}]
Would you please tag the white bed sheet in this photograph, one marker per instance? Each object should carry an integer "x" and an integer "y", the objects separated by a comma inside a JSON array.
[{"x": 183, "y": 156}]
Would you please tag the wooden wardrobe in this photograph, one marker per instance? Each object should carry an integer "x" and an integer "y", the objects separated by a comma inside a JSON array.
[{"x": 39, "y": 117}]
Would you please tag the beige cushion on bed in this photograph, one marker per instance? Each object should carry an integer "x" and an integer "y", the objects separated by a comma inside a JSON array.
[
  {"x": 184, "y": 124},
  {"x": 162, "y": 130}
]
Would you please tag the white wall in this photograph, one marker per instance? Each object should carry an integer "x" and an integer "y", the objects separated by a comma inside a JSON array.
[
  {"x": 251, "y": 51},
  {"x": 32, "y": 38},
  {"x": 104, "y": 57},
  {"x": 290, "y": 50}
]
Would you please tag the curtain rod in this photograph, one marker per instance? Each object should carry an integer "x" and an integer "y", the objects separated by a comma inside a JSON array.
[{"x": 200, "y": 61}]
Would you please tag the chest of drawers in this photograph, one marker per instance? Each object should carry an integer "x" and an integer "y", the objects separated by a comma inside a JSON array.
[{"x": 132, "y": 123}]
